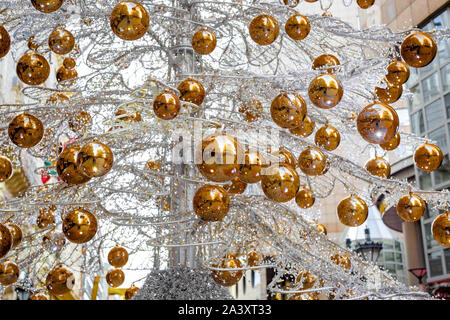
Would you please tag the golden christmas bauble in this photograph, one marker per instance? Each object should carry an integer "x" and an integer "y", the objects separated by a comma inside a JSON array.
[
  {"x": 129, "y": 20},
  {"x": 398, "y": 73},
  {"x": 80, "y": 121},
  {"x": 25, "y": 130},
  {"x": 67, "y": 167},
  {"x": 411, "y": 207},
  {"x": 325, "y": 91},
  {"x": 131, "y": 292},
  {"x": 291, "y": 3},
  {"x": 79, "y": 226},
  {"x": 428, "y": 157},
  {"x": 211, "y": 203},
  {"x": 285, "y": 157},
  {"x": 418, "y": 49},
  {"x": 365, "y": 4},
  {"x": 228, "y": 278},
  {"x": 33, "y": 69},
  {"x": 220, "y": 156},
  {"x": 297, "y": 27},
  {"x": 312, "y": 161},
  {"x": 95, "y": 159},
  {"x": 377, "y": 123},
  {"x": 352, "y": 211},
  {"x": 321, "y": 228},
  {"x": 5, "y": 169},
  {"x": 304, "y": 129},
  {"x": 40, "y": 295},
  {"x": 128, "y": 116},
  {"x": 69, "y": 62},
  {"x": 5, "y": 42},
  {"x": 250, "y": 171},
  {"x": 204, "y": 41},
  {"x": 236, "y": 187},
  {"x": 288, "y": 110},
  {"x": 379, "y": 167},
  {"x": 304, "y": 198},
  {"x": 46, "y": 217},
  {"x": 390, "y": 93},
  {"x": 118, "y": 257},
  {"x": 60, "y": 281},
  {"x": 47, "y": 6},
  {"x": 441, "y": 229},
  {"x": 280, "y": 182},
  {"x": 328, "y": 138},
  {"x": 192, "y": 91},
  {"x": 9, "y": 273},
  {"x": 115, "y": 277},
  {"x": 264, "y": 29},
  {"x": 255, "y": 258},
  {"x": 391, "y": 144},
  {"x": 61, "y": 41},
  {"x": 166, "y": 106},
  {"x": 16, "y": 234},
  {"x": 64, "y": 74},
  {"x": 326, "y": 61}
]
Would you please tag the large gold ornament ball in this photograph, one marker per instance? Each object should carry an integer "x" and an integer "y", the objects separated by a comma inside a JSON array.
[
  {"x": 264, "y": 29},
  {"x": 280, "y": 182},
  {"x": 118, "y": 257},
  {"x": 377, "y": 123},
  {"x": 211, "y": 203},
  {"x": 9, "y": 273},
  {"x": 192, "y": 91},
  {"x": 131, "y": 292},
  {"x": 33, "y": 69},
  {"x": 352, "y": 211},
  {"x": 25, "y": 130},
  {"x": 95, "y": 159},
  {"x": 5, "y": 169},
  {"x": 428, "y": 157},
  {"x": 80, "y": 122},
  {"x": 304, "y": 198},
  {"x": 47, "y": 6},
  {"x": 288, "y": 110},
  {"x": 115, "y": 277},
  {"x": 16, "y": 234},
  {"x": 418, "y": 49},
  {"x": 60, "y": 281},
  {"x": 297, "y": 27},
  {"x": 129, "y": 20},
  {"x": 305, "y": 129},
  {"x": 365, "y": 4},
  {"x": 67, "y": 167},
  {"x": 398, "y": 73},
  {"x": 204, "y": 41},
  {"x": 389, "y": 93},
  {"x": 250, "y": 171},
  {"x": 325, "y": 91},
  {"x": 40, "y": 295},
  {"x": 328, "y": 138},
  {"x": 379, "y": 167},
  {"x": 228, "y": 278},
  {"x": 326, "y": 61},
  {"x": 166, "y": 106},
  {"x": 391, "y": 144},
  {"x": 411, "y": 207},
  {"x": 236, "y": 187},
  {"x": 5, "y": 42},
  {"x": 441, "y": 229},
  {"x": 79, "y": 226},
  {"x": 312, "y": 161},
  {"x": 61, "y": 41}
]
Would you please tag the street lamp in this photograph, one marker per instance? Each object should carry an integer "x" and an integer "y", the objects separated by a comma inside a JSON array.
[{"x": 369, "y": 250}]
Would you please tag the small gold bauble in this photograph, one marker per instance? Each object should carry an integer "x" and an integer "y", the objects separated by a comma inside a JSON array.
[
  {"x": 115, "y": 277},
  {"x": 9, "y": 273},
  {"x": 352, "y": 211},
  {"x": 47, "y": 6},
  {"x": 79, "y": 226},
  {"x": 255, "y": 258},
  {"x": 123, "y": 115},
  {"x": 389, "y": 94},
  {"x": 129, "y": 20},
  {"x": 60, "y": 281},
  {"x": 288, "y": 110},
  {"x": 166, "y": 106},
  {"x": 328, "y": 138},
  {"x": 25, "y": 130},
  {"x": 118, "y": 257},
  {"x": 61, "y": 41},
  {"x": 285, "y": 157},
  {"x": 16, "y": 234},
  {"x": 67, "y": 167},
  {"x": 280, "y": 182},
  {"x": 95, "y": 159},
  {"x": 64, "y": 74},
  {"x": 312, "y": 161},
  {"x": 391, "y": 144},
  {"x": 204, "y": 41},
  {"x": 250, "y": 171},
  {"x": 40, "y": 295},
  {"x": 321, "y": 228},
  {"x": 418, "y": 49},
  {"x": 291, "y": 3},
  {"x": 5, "y": 169},
  {"x": 379, "y": 167},
  {"x": 228, "y": 278},
  {"x": 304, "y": 129},
  {"x": 304, "y": 198},
  {"x": 365, "y": 4},
  {"x": 5, "y": 42},
  {"x": 236, "y": 187},
  {"x": 428, "y": 157},
  {"x": 398, "y": 73},
  {"x": 377, "y": 123},
  {"x": 411, "y": 207},
  {"x": 33, "y": 69},
  {"x": 69, "y": 63},
  {"x": 211, "y": 203},
  {"x": 131, "y": 292},
  {"x": 441, "y": 229},
  {"x": 80, "y": 121},
  {"x": 46, "y": 217},
  {"x": 326, "y": 61},
  {"x": 297, "y": 27},
  {"x": 325, "y": 91},
  {"x": 264, "y": 29},
  {"x": 192, "y": 91}
]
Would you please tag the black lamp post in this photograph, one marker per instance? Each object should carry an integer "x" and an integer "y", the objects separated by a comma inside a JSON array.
[{"x": 369, "y": 250}]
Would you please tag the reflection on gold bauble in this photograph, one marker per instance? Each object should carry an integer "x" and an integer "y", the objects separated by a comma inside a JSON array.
[
  {"x": 327, "y": 137},
  {"x": 304, "y": 129},
  {"x": 47, "y": 6},
  {"x": 221, "y": 156},
  {"x": 297, "y": 27},
  {"x": 411, "y": 207},
  {"x": 365, "y": 4},
  {"x": 377, "y": 123},
  {"x": 236, "y": 186},
  {"x": 285, "y": 157},
  {"x": 9, "y": 273},
  {"x": 61, "y": 41},
  {"x": 211, "y": 203},
  {"x": 250, "y": 171},
  {"x": 5, "y": 169},
  {"x": 40, "y": 295},
  {"x": 129, "y": 20},
  {"x": 418, "y": 49},
  {"x": 326, "y": 61},
  {"x": 64, "y": 74},
  {"x": 352, "y": 211},
  {"x": 288, "y": 110},
  {"x": 60, "y": 281},
  {"x": 379, "y": 167},
  {"x": 255, "y": 258},
  {"x": 16, "y": 234},
  {"x": 191, "y": 91},
  {"x": 321, "y": 228},
  {"x": 46, "y": 217},
  {"x": 398, "y": 73},
  {"x": 79, "y": 226},
  {"x": 264, "y": 29},
  {"x": 280, "y": 182},
  {"x": 312, "y": 161},
  {"x": 228, "y": 278},
  {"x": 204, "y": 41},
  {"x": 325, "y": 91},
  {"x": 5, "y": 42},
  {"x": 80, "y": 121},
  {"x": 391, "y": 144},
  {"x": 304, "y": 198},
  {"x": 441, "y": 229},
  {"x": 428, "y": 157},
  {"x": 25, "y": 130},
  {"x": 33, "y": 69},
  {"x": 123, "y": 115},
  {"x": 115, "y": 277},
  {"x": 166, "y": 106},
  {"x": 95, "y": 159},
  {"x": 118, "y": 257},
  {"x": 130, "y": 293},
  {"x": 67, "y": 167},
  {"x": 390, "y": 93}
]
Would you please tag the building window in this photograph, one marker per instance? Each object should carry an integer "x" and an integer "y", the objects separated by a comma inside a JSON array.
[
  {"x": 442, "y": 174},
  {"x": 416, "y": 98},
  {"x": 447, "y": 104},
  {"x": 445, "y": 76},
  {"x": 434, "y": 114},
  {"x": 435, "y": 261},
  {"x": 430, "y": 87},
  {"x": 417, "y": 124},
  {"x": 440, "y": 137}
]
